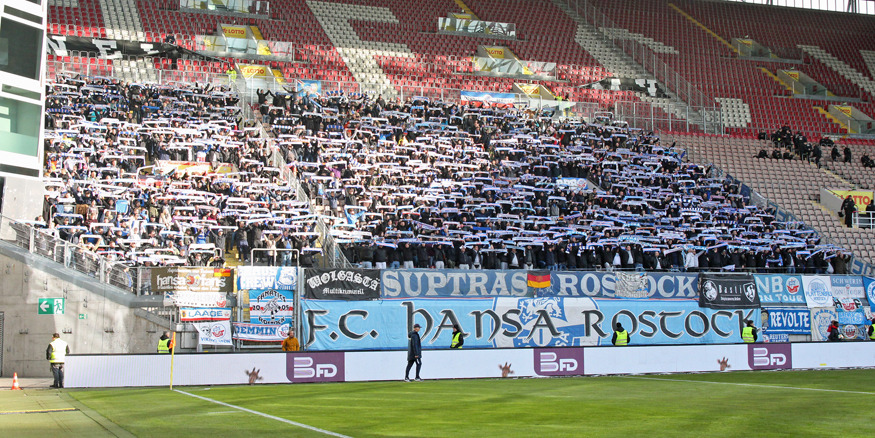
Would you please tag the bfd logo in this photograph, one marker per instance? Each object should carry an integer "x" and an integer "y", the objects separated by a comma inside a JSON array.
[
  {"x": 559, "y": 361},
  {"x": 769, "y": 357},
  {"x": 315, "y": 367}
]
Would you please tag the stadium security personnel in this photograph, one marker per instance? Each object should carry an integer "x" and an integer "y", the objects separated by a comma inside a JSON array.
[
  {"x": 165, "y": 344},
  {"x": 872, "y": 331},
  {"x": 749, "y": 332},
  {"x": 458, "y": 338},
  {"x": 621, "y": 336},
  {"x": 56, "y": 353}
]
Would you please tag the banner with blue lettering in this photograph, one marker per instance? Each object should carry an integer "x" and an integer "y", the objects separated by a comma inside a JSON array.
[
  {"x": 402, "y": 283},
  {"x": 266, "y": 277},
  {"x": 787, "y": 320},
  {"x": 515, "y": 322},
  {"x": 260, "y": 332},
  {"x": 631, "y": 285},
  {"x": 271, "y": 306},
  {"x": 847, "y": 287},
  {"x": 780, "y": 289},
  {"x": 818, "y": 291},
  {"x": 869, "y": 284}
]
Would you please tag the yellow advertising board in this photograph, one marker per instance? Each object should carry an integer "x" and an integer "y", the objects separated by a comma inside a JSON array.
[
  {"x": 846, "y": 110},
  {"x": 233, "y": 31},
  {"x": 793, "y": 74},
  {"x": 495, "y": 51},
  {"x": 861, "y": 198},
  {"x": 249, "y": 71}
]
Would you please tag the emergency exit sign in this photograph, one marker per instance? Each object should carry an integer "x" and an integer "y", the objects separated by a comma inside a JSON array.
[{"x": 50, "y": 306}]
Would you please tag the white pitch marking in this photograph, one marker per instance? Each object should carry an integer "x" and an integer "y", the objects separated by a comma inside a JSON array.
[
  {"x": 751, "y": 384},
  {"x": 272, "y": 417}
]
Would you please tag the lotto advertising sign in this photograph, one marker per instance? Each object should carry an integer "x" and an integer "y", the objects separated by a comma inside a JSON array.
[
  {"x": 780, "y": 289},
  {"x": 515, "y": 322}
]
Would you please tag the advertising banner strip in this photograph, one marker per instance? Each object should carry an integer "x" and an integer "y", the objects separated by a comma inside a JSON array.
[
  {"x": 818, "y": 291},
  {"x": 869, "y": 285},
  {"x": 214, "y": 333},
  {"x": 719, "y": 291},
  {"x": 506, "y": 322},
  {"x": 847, "y": 287},
  {"x": 192, "y": 280},
  {"x": 260, "y": 332},
  {"x": 271, "y": 306},
  {"x": 188, "y": 314},
  {"x": 400, "y": 283},
  {"x": 622, "y": 285},
  {"x": 787, "y": 320},
  {"x": 342, "y": 284},
  {"x": 195, "y": 299},
  {"x": 780, "y": 289},
  {"x": 266, "y": 277}
]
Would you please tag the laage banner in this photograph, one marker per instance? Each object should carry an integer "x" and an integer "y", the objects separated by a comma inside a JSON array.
[{"x": 515, "y": 322}]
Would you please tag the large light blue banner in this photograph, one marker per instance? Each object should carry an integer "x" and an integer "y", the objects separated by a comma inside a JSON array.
[
  {"x": 623, "y": 285},
  {"x": 515, "y": 322},
  {"x": 869, "y": 285},
  {"x": 788, "y": 320},
  {"x": 780, "y": 289},
  {"x": 401, "y": 283}
]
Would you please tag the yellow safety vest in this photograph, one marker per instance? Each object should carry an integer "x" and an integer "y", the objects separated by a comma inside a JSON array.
[
  {"x": 164, "y": 346},
  {"x": 59, "y": 351},
  {"x": 872, "y": 336},
  {"x": 747, "y": 334},
  {"x": 622, "y": 338},
  {"x": 456, "y": 338}
]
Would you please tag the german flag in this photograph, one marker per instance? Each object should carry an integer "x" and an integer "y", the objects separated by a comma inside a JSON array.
[
  {"x": 221, "y": 272},
  {"x": 539, "y": 279}
]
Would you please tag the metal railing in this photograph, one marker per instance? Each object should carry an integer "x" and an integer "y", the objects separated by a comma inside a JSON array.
[{"x": 864, "y": 219}]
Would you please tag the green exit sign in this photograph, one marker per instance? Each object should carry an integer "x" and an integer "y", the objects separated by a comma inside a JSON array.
[
  {"x": 83, "y": 316},
  {"x": 50, "y": 306}
]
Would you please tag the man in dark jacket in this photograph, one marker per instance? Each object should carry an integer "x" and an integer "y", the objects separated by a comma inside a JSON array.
[{"x": 414, "y": 353}]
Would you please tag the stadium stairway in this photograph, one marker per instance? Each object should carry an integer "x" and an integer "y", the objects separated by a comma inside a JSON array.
[
  {"x": 122, "y": 20},
  {"x": 793, "y": 185},
  {"x": 620, "y": 65},
  {"x": 841, "y": 67},
  {"x": 358, "y": 55}
]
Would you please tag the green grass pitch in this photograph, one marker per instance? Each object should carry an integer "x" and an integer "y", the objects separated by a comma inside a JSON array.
[{"x": 749, "y": 404}]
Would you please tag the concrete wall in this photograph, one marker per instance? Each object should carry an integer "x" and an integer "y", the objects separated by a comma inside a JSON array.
[
  {"x": 23, "y": 198},
  {"x": 98, "y": 318}
]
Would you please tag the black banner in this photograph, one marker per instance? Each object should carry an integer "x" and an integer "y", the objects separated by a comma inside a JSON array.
[
  {"x": 342, "y": 284},
  {"x": 728, "y": 291},
  {"x": 62, "y": 45}
]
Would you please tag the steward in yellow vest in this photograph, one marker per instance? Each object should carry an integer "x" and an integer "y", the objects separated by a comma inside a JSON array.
[
  {"x": 749, "y": 332},
  {"x": 621, "y": 336},
  {"x": 458, "y": 337}
]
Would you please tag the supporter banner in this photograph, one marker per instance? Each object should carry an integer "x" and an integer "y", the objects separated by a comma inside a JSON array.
[
  {"x": 787, "y": 320},
  {"x": 623, "y": 285},
  {"x": 847, "y": 287},
  {"x": 821, "y": 318},
  {"x": 310, "y": 87},
  {"x": 721, "y": 291},
  {"x": 400, "y": 283},
  {"x": 195, "y": 299},
  {"x": 266, "y": 277},
  {"x": 457, "y": 24},
  {"x": 59, "y": 45},
  {"x": 192, "y": 279},
  {"x": 260, "y": 332},
  {"x": 818, "y": 290},
  {"x": 869, "y": 284},
  {"x": 165, "y": 167},
  {"x": 575, "y": 184},
  {"x": 486, "y": 99},
  {"x": 214, "y": 333},
  {"x": 189, "y": 314},
  {"x": 515, "y": 322},
  {"x": 342, "y": 284},
  {"x": 780, "y": 289},
  {"x": 850, "y": 312},
  {"x": 271, "y": 306}
]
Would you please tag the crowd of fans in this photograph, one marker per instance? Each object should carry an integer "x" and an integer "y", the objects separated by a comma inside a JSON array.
[{"x": 160, "y": 174}]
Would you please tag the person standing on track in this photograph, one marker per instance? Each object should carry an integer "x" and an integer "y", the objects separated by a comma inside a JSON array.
[
  {"x": 749, "y": 332},
  {"x": 165, "y": 344},
  {"x": 621, "y": 336},
  {"x": 56, "y": 353},
  {"x": 458, "y": 337},
  {"x": 414, "y": 353},
  {"x": 291, "y": 343}
]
